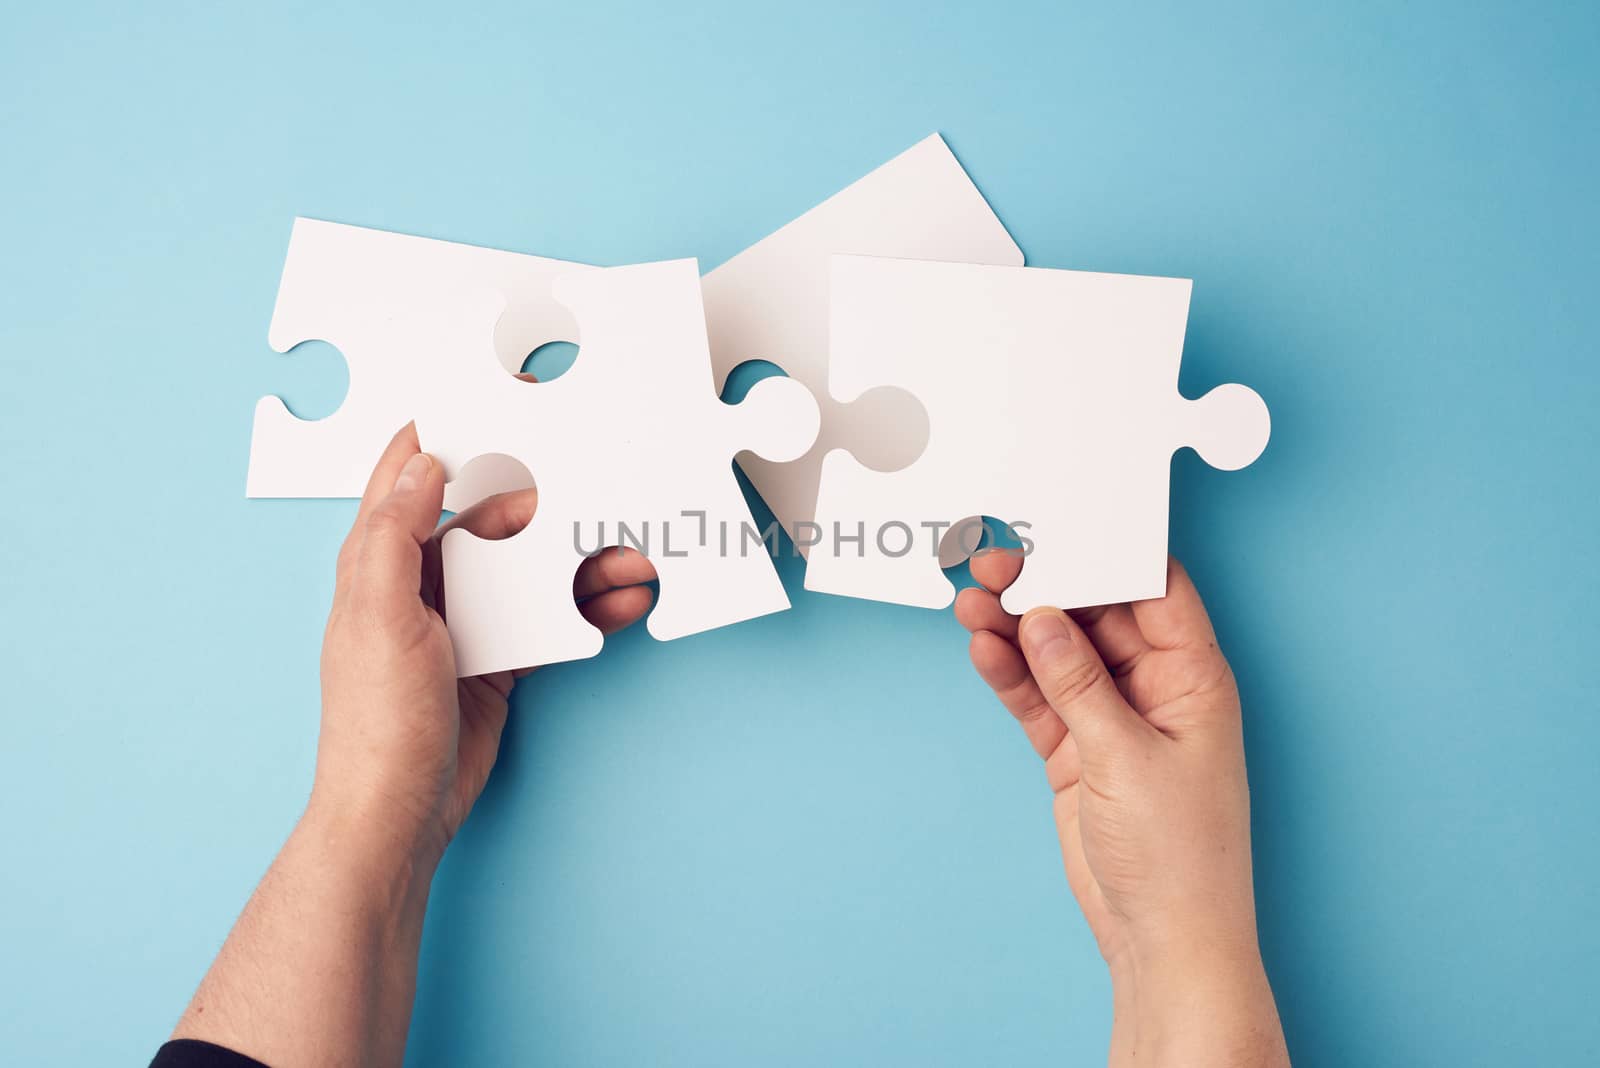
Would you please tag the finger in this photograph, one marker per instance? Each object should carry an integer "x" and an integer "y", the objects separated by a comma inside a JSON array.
[
  {"x": 494, "y": 518},
  {"x": 996, "y": 569},
  {"x": 999, "y": 664},
  {"x": 497, "y": 517},
  {"x": 389, "y": 562},
  {"x": 401, "y": 447},
  {"x": 1112, "y": 628},
  {"x": 1115, "y": 634},
  {"x": 1074, "y": 680},
  {"x": 1178, "y": 619},
  {"x": 615, "y": 609},
  {"x": 978, "y": 609},
  {"x": 611, "y": 568},
  {"x": 494, "y": 688}
]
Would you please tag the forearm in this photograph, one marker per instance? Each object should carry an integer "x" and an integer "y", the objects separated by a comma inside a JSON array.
[
  {"x": 1195, "y": 1008},
  {"x": 321, "y": 966}
]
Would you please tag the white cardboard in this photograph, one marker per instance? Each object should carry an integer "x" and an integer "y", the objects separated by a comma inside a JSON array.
[
  {"x": 634, "y": 434},
  {"x": 770, "y": 302},
  {"x": 371, "y": 294},
  {"x": 1065, "y": 419}
]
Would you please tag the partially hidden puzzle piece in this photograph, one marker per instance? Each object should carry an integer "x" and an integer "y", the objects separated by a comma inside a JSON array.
[
  {"x": 1063, "y": 423},
  {"x": 372, "y": 295},
  {"x": 770, "y": 302},
  {"x": 632, "y": 436}
]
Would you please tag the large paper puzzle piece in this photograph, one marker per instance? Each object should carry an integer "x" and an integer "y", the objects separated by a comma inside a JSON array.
[
  {"x": 633, "y": 436},
  {"x": 1064, "y": 424},
  {"x": 770, "y": 302},
  {"x": 373, "y": 295}
]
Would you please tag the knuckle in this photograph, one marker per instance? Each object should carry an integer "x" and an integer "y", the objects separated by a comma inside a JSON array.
[
  {"x": 1034, "y": 712},
  {"x": 1076, "y": 681},
  {"x": 520, "y": 510},
  {"x": 345, "y": 563},
  {"x": 386, "y": 533},
  {"x": 383, "y": 521}
]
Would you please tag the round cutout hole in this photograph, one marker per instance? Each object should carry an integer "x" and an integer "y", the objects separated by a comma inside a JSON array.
[{"x": 550, "y": 361}]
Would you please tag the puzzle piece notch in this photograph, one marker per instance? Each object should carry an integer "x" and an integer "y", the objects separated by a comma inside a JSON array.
[
  {"x": 484, "y": 476},
  {"x": 661, "y": 463},
  {"x": 1068, "y": 430},
  {"x": 778, "y": 420},
  {"x": 965, "y": 538}
]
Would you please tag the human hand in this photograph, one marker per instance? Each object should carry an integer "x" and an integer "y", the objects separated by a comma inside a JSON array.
[
  {"x": 1137, "y": 716},
  {"x": 321, "y": 966},
  {"x": 403, "y": 740}
]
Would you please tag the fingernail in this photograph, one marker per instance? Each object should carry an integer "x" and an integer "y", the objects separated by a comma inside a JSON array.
[
  {"x": 414, "y": 473},
  {"x": 1046, "y": 635}
]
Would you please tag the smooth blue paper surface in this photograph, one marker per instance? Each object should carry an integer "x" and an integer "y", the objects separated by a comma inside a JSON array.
[{"x": 815, "y": 838}]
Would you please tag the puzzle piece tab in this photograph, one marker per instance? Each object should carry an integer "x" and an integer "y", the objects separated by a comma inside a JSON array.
[
  {"x": 633, "y": 436},
  {"x": 1065, "y": 426}
]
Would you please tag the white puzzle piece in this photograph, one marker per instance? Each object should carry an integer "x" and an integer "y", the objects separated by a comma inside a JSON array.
[
  {"x": 371, "y": 294},
  {"x": 770, "y": 302},
  {"x": 1065, "y": 420},
  {"x": 368, "y": 292},
  {"x": 634, "y": 434}
]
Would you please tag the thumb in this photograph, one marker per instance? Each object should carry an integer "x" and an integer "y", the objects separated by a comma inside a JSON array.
[
  {"x": 398, "y": 527},
  {"x": 1073, "y": 679}
]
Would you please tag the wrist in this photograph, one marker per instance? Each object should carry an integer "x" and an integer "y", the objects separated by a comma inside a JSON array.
[
  {"x": 371, "y": 841},
  {"x": 1194, "y": 1000}
]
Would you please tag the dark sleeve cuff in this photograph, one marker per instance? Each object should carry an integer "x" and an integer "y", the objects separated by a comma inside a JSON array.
[{"x": 192, "y": 1053}]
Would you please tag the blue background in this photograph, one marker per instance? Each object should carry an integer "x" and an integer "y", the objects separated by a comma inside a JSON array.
[{"x": 815, "y": 838}]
